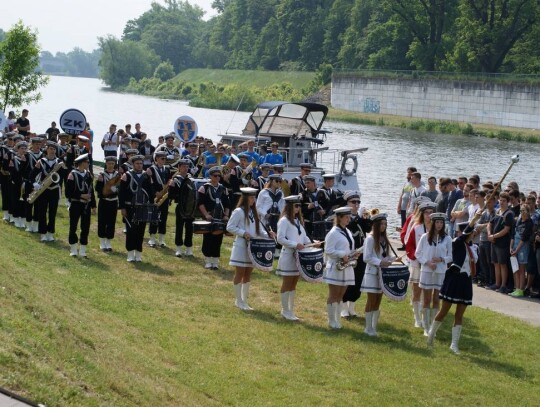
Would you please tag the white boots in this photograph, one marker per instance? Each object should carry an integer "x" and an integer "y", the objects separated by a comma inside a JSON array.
[
  {"x": 47, "y": 237},
  {"x": 82, "y": 251},
  {"x": 131, "y": 256},
  {"x": 211, "y": 263},
  {"x": 152, "y": 241},
  {"x": 189, "y": 251},
  {"x": 426, "y": 314},
  {"x": 178, "y": 251},
  {"x": 287, "y": 306},
  {"x": 73, "y": 252},
  {"x": 162, "y": 241},
  {"x": 372, "y": 319},
  {"x": 456, "y": 334},
  {"x": 416, "y": 310},
  {"x": 103, "y": 244},
  {"x": 333, "y": 315},
  {"x": 31, "y": 227},
  {"x": 347, "y": 309},
  {"x": 241, "y": 292}
]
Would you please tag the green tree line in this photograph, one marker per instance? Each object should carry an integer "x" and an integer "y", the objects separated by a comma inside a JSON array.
[
  {"x": 77, "y": 62},
  {"x": 434, "y": 35}
]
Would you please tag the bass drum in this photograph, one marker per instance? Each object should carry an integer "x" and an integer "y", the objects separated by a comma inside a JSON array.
[{"x": 202, "y": 227}]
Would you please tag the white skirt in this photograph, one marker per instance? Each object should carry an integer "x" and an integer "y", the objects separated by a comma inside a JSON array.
[
  {"x": 287, "y": 263},
  {"x": 371, "y": 283},
  {"x": 429, "y": 280},
  {"x": 339, "y": 277},
  {"x": 239, "y": 253}
]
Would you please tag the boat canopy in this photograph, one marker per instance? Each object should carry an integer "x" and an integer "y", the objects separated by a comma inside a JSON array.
[{"x": 286, "y": 119}]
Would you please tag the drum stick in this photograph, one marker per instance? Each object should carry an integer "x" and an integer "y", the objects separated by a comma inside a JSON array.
[
  {"x": 127, "y": 221},
  {"x": 398, "y": 258},
  {"x": 313, "y": 244}
]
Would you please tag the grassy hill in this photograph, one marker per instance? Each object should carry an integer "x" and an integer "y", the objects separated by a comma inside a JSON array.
[
  {"x": 261, "y": 79},
  {"x": 104, "y": 332}
]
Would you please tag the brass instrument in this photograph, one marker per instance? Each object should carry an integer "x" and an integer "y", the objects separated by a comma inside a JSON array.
[
  {"x": 52, "y": 177},
  {"x": 247, "y": 173},
  {"x": 200, "y": 165},
  {"x": 219, "y": 158},
  {"x": 164, "y": 192},
  {"x": 370, "y": 213},
  {"x": 114, "y": 181},
  {"x": 341, "y": 265}
]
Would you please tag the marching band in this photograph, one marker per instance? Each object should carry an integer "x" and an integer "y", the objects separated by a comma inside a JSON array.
[{"x": 323, "y": 234}]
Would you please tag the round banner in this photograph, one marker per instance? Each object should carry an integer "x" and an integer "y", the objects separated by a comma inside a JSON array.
[
  {"x": 185, "y": 129},
  {"x": 73, "y": 122}
]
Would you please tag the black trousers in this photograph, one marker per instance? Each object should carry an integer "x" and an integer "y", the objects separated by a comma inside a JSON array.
[
  {"x": 79, "y": 211},
  {"x": 353, "y": 291},
  {"x": 47, "y": 204},
  {"x": 30, "y": 211},
  {"x": 17, "y": 203},
  {"x": 5, "y": 183},
  {"x": 161, "y": 228},
  {"x": 134, "y": 232},
  {"x": 211, "y": 246},
  {"x": 107, "y": 211},
  {"x": 486, "y": 272},
  {"x": 179, "y": 233}
]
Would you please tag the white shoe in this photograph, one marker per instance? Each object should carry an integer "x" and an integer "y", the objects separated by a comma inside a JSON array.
[
  {"x": 102, "y": 244},
  {"x": 108, "y": 245},
  {"x": 207, "y": 262},
  {"x": 352, "y": 311},
  {"x": 285, "y": 311},
  {"x": 345, "y": 309},
  {"x": 245, "y": 295},
  {"x": 331, "y": 310},
  {"x": 433, "y": 331},
  {"x": 131, "y": 256},
  {"x": 35, "y": 226},
  {"x": 6, "y": 216},
  {"x": 425, "y": 320},
  {"x": 375, "y": 321},
  {"x": 238, "y": 296},
  {"x": 215, "y": 263},
  {"x": 368, "y": 330},
  {"x": 152, "y": 241},
  {"x": 189, "y": 251},
  {"x": 417, "y": 318},
  {"x": 456, "y": 333},
  {"x": 82, "y": 251},
  {"x": 26, "y": 225},
  {"x": 50, "y": 237},
  {"x": 138, "y": 256},
  {"x": 178, "y": 251},
  {"x": 73, "y": 252},
  {"x": 162, "y": 241},
  {"x": 292, "y": 294},
  {"x": 43, "y": 237}
]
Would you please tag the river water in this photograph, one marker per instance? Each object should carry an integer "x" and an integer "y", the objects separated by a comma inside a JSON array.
[{"x": 381, "y": 168}]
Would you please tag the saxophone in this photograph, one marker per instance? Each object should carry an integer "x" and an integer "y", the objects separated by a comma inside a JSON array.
[
  {"x": 341, "y": 265},
  {"x": 114, "y": 181},
  {"x": 52, "y": 177},
  {"x": 165, "y": 191}
]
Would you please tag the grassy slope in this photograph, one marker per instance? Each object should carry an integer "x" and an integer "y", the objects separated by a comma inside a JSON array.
[
  {"x": 298, "y": 80},
  {"x": 103, "y": 332}
]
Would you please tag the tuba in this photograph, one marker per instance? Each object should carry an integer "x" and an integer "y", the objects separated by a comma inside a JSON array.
[
  {"x": 52, "y": 178},
  {"x": 370, "y": 213}
]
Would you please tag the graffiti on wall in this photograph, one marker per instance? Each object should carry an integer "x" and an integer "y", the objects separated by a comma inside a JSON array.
[{"x": 372, "y": 105}]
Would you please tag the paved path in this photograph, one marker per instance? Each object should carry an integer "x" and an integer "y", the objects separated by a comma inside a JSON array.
[
  {"x": 7, "y": 401},
  {"x": 526, "y": 309}
]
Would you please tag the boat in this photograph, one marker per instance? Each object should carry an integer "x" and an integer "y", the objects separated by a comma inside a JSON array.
[{"x": 297, "y": 128}]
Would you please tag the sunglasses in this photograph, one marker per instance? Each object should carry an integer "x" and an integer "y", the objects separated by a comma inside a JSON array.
[
  {"x": 215, "y": 175},
  {"x": 297, "y": 205},
  {"x": 355, "y": 201}
]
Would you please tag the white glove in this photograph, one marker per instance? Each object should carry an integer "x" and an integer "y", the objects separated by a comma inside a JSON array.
[
  {"x": 170, "y": 157},
  {"x": 114, "y": 189},
  {"x": 37, "y": 186}
]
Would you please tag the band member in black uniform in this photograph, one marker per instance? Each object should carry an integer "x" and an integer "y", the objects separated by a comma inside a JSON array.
[
  {"x": 135, "y": 188},
  {"x": 127, "y": 166},
  {"x": 262, "y": 179},
  {"x": 311, "y": 211},
  {"x": 6, "y": 155},
  {"x": 47, "y": 202},
  {"x": 80, "y": 192},
  {"x": 160, "y": 175},
  {"x": 107, "y": 192},
  {"x": 328, "y": 197},
  {"x": 19, "y": 170},
  {"x": 297, "y": 184},
  {"x": 147, "y": 149},
  {"x": 359, "y": 228},
  {"x": 172, "y": 152},
  {"x": 182, "y": 191},
  {"x": 76, "y": 150},
  {"x": 214, "y": 204},
  {"x": 231, "y": 179},
  {"x": 34, "y": 154},
  {"x": 193, "y": 158}
]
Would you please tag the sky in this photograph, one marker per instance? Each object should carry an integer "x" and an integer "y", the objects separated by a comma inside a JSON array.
[{"x": 65, "y": 24}]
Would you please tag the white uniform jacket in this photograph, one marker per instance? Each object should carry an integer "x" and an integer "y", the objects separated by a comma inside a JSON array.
[
  {"x": 237, "y": 225},
  {"x": 289, "y": 235},
  {"x": 440, "y": 248},
  {"x": 372, "y": 258},
  {"x": 336, "y": 246}
]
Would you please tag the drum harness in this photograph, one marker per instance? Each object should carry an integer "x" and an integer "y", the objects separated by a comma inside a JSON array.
[
  {"x": 135, "y": 185},
  {"x": 80, "y": 179},
  {"x": 215, "y": 196}
]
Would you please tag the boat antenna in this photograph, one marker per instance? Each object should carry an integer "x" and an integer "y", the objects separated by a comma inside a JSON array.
[{"x": 237, "y": 108}]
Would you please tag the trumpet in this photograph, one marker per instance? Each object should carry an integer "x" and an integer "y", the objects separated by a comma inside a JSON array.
[
  {"x": 341, "y": 265},
  {"x": 370, "y": 213}
]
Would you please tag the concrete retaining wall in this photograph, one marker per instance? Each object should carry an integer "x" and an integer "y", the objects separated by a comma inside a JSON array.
[{"x": 468, "y": 102}]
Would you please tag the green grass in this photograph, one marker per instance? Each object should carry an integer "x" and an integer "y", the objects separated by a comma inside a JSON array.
[
  {"x": 298, "y": 80},
  {"x": 104, "y": 332},
  {"x": 435, "y": 126}
]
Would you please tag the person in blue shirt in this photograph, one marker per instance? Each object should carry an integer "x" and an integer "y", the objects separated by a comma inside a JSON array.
[
  {"x": 274, "y": 157},
  {"x": 253, "y": 155}
]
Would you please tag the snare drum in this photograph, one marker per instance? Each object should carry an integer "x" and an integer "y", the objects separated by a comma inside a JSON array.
[
  {"x": 218, "y": 227},
  {"x": 201, "y": 227},
  {"x": 146, "y": 213},
  {"x": 310, "y": 263}
]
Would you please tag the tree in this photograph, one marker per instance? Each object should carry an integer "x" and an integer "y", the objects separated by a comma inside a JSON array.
[
  {"x": 427, "y": 21},
  {"x": 122, "y": 60},
  {"x": 489, "y": 29},
  {"x": 20, "y": 78},
  {"x": 164, "y": 71}
]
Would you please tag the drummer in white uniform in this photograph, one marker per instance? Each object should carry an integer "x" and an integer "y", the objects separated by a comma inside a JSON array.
[
  {"x": 339, "y": 251},
  {"x": 433, "y": 252},
  {"x": 244, "y": 224},
  {"x": 376, "y": 255},
  {"x": 292, "y": 236}
]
